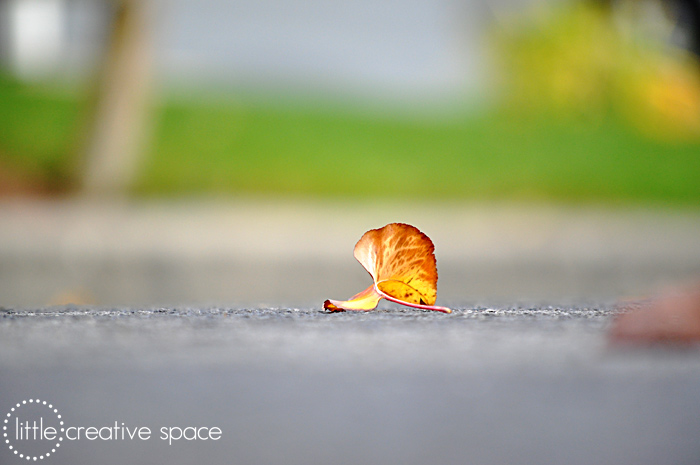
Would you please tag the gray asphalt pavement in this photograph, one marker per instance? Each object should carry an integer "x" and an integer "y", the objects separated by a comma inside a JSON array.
[
  {"x": 485, "y": 385},
  {"x": 202, "y": 317}
]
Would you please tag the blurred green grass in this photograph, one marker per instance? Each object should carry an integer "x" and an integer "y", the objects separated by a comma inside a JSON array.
[{"x": 252, "y": 146}]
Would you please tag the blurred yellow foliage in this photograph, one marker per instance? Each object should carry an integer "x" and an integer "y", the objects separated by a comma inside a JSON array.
[
  {"x": 665, "y": 101},
  {"x": 583, "y": 59}
]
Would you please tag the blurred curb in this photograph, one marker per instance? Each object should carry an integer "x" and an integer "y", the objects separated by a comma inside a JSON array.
[{"x": 265, "y": 251}]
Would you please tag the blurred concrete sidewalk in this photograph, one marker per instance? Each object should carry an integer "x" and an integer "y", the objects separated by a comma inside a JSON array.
[{"x": 258, "y": 252}]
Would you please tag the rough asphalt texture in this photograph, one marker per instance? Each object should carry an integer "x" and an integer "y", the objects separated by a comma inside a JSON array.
[
  {"x": 520, "y": 373},
  {"x": 517, "y": 385}
]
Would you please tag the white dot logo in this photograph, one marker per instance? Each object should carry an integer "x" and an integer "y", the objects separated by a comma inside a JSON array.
[{"x": 33, "y": 429}]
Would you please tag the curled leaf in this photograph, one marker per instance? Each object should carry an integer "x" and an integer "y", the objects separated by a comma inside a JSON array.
[
  {"x": 365, "y": 300},
  {"x": 401, "y": 261}
]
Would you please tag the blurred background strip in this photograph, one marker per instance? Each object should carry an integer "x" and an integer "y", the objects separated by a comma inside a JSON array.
[{"x": 333, "y": 107}]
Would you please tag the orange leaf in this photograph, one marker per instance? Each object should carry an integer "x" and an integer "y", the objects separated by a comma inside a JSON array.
[
  {"x": 365, "y": 300},
  {"x": 401, "y": 261}
]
